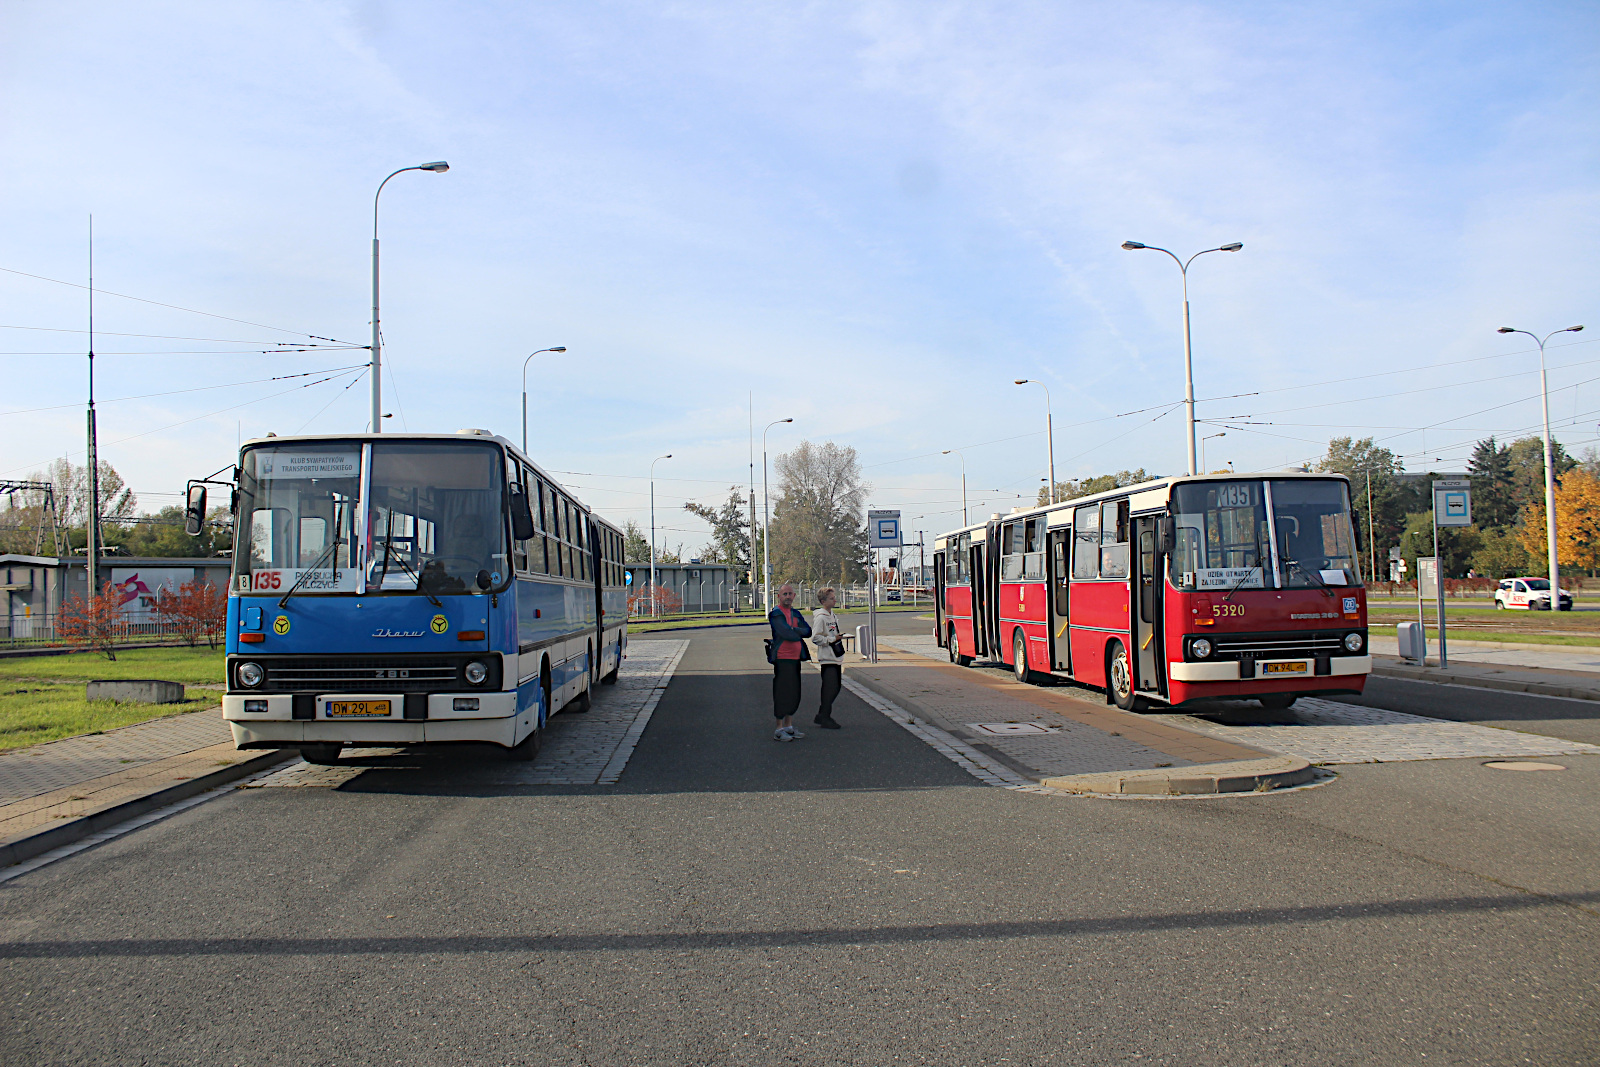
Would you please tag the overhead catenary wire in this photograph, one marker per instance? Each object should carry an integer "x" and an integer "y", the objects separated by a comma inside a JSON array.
[{"x": 176, "y": 307}]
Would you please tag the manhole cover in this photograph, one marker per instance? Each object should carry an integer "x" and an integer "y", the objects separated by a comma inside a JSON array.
[
  {"x": 1523, "y": 765},
  {"x": 1009, "y": 729}
]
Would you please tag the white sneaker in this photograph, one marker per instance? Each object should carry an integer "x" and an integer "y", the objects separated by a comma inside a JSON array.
[
  {"x": 781, "y": 734},
  {"x": 795, "y": 735}
]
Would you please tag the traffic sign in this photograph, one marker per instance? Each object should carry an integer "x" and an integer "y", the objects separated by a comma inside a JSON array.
[
  {"x": 1452, "y": 502},
  {"x": 883, "y": 529}
]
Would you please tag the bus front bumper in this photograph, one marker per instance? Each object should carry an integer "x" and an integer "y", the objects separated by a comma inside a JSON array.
[
  {"x": 490, "y": 717},
  {"x": 1268, "y": 670}
]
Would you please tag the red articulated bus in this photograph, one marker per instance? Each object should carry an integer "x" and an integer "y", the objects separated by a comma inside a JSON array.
[{"x": 1189, "y": 588}]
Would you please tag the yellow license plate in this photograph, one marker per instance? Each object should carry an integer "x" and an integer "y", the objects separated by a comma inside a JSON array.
[
  {"x": 357, "y": 709},
  {"x": 1284, "y": 668}
]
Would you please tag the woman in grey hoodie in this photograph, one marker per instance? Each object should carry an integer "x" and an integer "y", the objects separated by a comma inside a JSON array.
[{"x": 825, "y": 632}]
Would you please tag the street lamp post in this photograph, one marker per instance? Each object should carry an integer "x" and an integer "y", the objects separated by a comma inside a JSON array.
[
  {"x": 658, "y": 459},
  {"x": 1549, "y": 465},
  {"x": 558, "y": 348},
  {"x": 766, "y": 524},
  {"x": 1203, "y": 441},
  {"x": 438, "y": 167},
  {"x": 1188, "y": 355},
  {"x": 963, "y": 459},
  {"x": 1049, "y": 432}
]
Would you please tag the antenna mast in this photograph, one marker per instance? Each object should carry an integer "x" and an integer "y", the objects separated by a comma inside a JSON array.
[{"x": 92, "y": 547}]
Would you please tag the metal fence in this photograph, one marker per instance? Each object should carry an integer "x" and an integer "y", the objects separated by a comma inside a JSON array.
[{"x": 25, "y": 631}]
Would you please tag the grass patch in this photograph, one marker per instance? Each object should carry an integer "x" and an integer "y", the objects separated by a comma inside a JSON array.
[
  {"x": 1500, "y": 636},
  {"x": 31, "y": 714},
  {"x": 191, "y": 666}
]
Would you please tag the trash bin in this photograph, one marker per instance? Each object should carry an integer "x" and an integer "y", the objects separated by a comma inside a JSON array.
[{"x": 1413, "y": 641}]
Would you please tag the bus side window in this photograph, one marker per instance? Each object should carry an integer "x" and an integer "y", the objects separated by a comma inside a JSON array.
[
  {"x": 1011, "y": 552},
  {"x": 1114, "y": 539},
  {"x": 1086, "y": 542}
]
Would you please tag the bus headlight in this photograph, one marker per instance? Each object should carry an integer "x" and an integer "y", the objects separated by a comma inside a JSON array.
[
  {"x": 1200, "y": 648},
  {"x": 476, "y": 672},
  {"x": 249, "y": 674},
  {"x": 1354, "y": 643}
]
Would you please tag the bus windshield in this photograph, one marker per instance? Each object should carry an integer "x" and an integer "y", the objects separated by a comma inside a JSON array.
[
  {"x": 1224, "y": 535},
  {"x": 435, "y": 518}
]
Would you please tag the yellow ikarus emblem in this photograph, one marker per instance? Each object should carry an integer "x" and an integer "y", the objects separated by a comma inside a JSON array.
[
  {"x": 440, "y": 624},
  {"x": 280, "y": 625}
]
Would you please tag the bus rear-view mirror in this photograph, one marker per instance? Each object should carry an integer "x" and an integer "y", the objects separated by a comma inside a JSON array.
[
  {"x": 194, "y": 511},
  {"x": 521, "y": 516}
]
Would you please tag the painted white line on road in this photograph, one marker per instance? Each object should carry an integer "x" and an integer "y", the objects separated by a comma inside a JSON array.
[
  {"x": 985, "y": 769},
  {"x": 624, "y": 752}
]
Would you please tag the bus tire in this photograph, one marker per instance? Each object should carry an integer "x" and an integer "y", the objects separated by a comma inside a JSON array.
[
  {"x": 1019, "y": 657},
  {"x": 954, "y": 648},
  {"x": 323, "y": 755},
  {"x": 1119, "y": 678},
  {"x": 1277, "y": 701},
  {"x": 524, "y": 750},
  {"x": 610, "y": 677}
]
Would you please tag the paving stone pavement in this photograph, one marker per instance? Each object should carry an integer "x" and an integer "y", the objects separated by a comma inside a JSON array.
[
  {"x": 37, "y": 769},
  {"x": 588, "y": 749},
  {"x": 1325, "y": 731}
]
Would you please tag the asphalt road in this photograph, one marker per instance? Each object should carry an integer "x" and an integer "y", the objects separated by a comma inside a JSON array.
[{"x": 849, "y": 898}]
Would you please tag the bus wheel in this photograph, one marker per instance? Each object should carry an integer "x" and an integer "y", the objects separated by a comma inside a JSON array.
[
  {"x": 1019, "y": 657},
  {"x": 954, "y": 648},
  {"x": 527, "y": 748},
  {"x": 1277, "y": 701},
  {"x": 323, "y": 754},
  {"x": 1121, "y": 678},
  {"x": 583, "y": 701},
  {"x": 610, "y": 677}
]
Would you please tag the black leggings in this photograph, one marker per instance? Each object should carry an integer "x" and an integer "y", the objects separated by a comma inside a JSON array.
[
  {"x": 785, "y": 687},
  {"x": 830, "y": 688}
]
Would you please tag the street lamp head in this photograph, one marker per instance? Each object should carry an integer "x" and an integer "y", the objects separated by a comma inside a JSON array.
[
  {"x": 1021, "y": 381},
  {"x": 1572, "y": 329},
  {"x": 946, "y": 452},
  {"x": 1232, "y": 246},
  {"x": 559, "y": 348},
  {"x": 438, "y": 167},
  {"x": 1505, "y": 329},
  {"x": 1131, "y": 245},
  {"x": 788, "y": 420}
]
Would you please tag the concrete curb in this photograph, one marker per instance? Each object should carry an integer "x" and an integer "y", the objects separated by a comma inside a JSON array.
[
  {"x": 25, "y": 848},
  {"x": 1242, "y": 776},
  {"x": 1506, "y": 684}
]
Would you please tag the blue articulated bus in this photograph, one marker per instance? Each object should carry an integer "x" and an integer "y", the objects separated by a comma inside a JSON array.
[{"x": 405, "y": 589}]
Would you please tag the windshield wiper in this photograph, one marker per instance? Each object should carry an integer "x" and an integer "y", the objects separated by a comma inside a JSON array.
[
  {"x": 1249, "y": 572},
  {"x": 1327, "y": 590},
  {"x": 388, "y": 554},
  {"x": 332, "y": 549},
  {"x": 407, "y": 568}
]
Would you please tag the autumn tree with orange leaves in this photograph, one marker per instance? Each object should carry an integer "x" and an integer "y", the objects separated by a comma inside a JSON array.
[{"x": 1577, "y": 523}]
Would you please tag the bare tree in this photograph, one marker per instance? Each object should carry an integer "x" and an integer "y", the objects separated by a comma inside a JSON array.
[{"x": 818, "y": 529}]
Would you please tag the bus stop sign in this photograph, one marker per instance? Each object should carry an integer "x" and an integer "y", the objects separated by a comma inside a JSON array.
[
  {"x": 883, "y": 529},
  {"x": 1452, "y": 502}
]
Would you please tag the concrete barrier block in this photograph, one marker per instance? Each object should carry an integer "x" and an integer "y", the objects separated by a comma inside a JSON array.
[{"x": 139, "y": 690}]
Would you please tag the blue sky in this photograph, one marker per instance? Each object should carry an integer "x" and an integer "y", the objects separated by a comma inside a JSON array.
[{"x": 871, "y": 217}]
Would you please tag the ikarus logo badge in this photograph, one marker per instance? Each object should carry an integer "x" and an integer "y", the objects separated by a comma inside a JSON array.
[{"x": 440, "y": 624}]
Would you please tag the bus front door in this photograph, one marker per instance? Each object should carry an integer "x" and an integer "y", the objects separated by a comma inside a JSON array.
[
  {"x": 1060, "y": 570},
  {"x": 938, "y": 597},
  {"x": 980, "y": 603},
  {"x": 1147, "y": 585}
]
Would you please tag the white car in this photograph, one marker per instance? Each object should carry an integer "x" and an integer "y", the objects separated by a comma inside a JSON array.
[{"x": 1528, "y": 594}]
